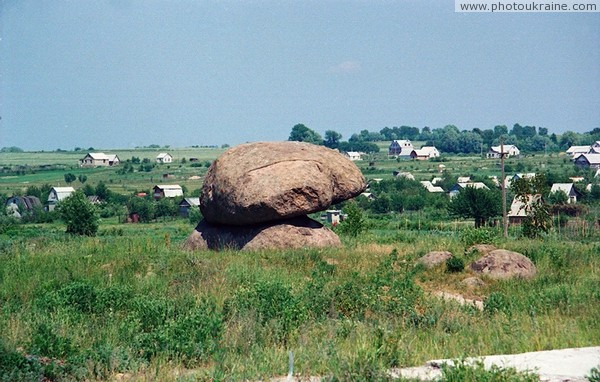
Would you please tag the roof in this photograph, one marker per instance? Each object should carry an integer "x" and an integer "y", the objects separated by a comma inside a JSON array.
[
  {"x": 162, "y": 155},
  {"x": 29, "y": 202},
  {"x": 463, "y": 179},
  {"x": 591, "y": 158},
  {"x": 170, "y": 190},
  {"x": 517, "y": 208},
  {"x": 190, "y": 201},
  {"x": 430, "y": 187},
  {"x": 578, "y": 149},
  {"x": 507, "y": 148},
  {"x": 98, "y": 156},
  {"x": 477, "y": 185},
  {"x": 63, "y": 192},
  {"x": 402, "y": 142},
  {"x": 564, "y": 187}
]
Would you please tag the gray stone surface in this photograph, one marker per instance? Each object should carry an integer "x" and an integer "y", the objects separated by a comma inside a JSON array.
[
  {"x": 504, "y": 264},
  {"x": 434, "y": 258}
]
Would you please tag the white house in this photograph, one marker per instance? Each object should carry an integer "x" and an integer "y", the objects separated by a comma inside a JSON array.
[
  {"x": 430, "y": 187},
  {"x": 509, "y": 151},
  {"x": 401, "y": 147},
  {"x": 167, "y": 191},
  {"x": 353, "y": 155},
  {"x": 569, "y": 189},
  {"x": 575, "y": 151},
  {"x": 99, "y": 159},
  {"x": 425, "y": 152},
  {"x": 460, "y": 186},
  {"x": 164, "y": 158},
  {"x": 587, "y": 161},
  {"x": 57, "y": 194}
]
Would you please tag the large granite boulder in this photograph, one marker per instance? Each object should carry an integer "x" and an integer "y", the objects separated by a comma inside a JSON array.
[
  {"x": 267, "y": 181},
  {"x": 297, "y": 232},
  {"x": 504, "y": 264}
]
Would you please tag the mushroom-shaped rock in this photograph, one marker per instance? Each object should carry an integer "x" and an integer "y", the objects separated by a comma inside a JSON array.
[
  {"x": 266, "y": 181},
  {"x": 503, "y": 264},
  {"x": 298, "y": 232}
]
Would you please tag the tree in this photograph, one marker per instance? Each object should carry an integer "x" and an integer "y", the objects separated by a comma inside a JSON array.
[
  {"x": 332, "y": 139},
  {"x": 82, "y": 178},
  {"x": 478, "y": 203},
  {"x": 355, "y": 223},
  {"x": 70, "y": 178},
  {"x": 79, "y": 214},
  {"x": 529, "y": 191},
  {"x": 301, "y": 133}
]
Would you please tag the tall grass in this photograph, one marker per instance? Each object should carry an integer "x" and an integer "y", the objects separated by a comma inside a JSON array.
[{"x": 131, "y": 301}]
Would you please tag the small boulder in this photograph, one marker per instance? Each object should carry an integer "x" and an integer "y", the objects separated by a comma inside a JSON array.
[
  {"x": 265, "y": 181},
  {"x": 298, "y": 232},
  {"x": 473, "y": 282},
  {"x": 482, "y": 249},
  {"x": 504, "y": 264},
  {"x": 434, "y": 258}
]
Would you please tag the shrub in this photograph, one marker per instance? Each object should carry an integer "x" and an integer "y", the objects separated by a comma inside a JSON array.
[
  {"x": 79, "y": 214},
  {"x": 455, "y": 264},
  {"x": 496, "y": 302},
  {"x": 463, "y": 371},
  {"x": 355, "y": 223}
]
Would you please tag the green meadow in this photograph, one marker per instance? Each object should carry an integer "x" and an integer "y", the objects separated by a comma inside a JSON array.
[{"x": 131, "y": 304}]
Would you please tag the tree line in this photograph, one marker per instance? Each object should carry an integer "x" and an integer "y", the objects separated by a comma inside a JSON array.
[{"x": 450, "y": 139}]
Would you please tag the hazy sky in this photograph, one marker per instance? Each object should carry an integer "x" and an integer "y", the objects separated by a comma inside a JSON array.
[{"x": 124, "y": 73}]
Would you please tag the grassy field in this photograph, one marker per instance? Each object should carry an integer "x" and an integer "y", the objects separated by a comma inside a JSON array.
[{"x": 132, "y": 303}]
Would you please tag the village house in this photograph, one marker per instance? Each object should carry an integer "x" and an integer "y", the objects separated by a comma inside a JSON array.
[
  {"x": 353, "y": 155},
  {"x": 401, "y": 147},
  {"x": 509, "y": 151},
  {"x": 460, "y": 186},
  {"x": 518, "y": 209},
  {"x": 588, "y": 161},
  {"x": 167, "y": 191},
  {"x": 569, "y": 190},
  {"x": 430, "y": 187},
  {"x": 17, "y": 204},
  {"x": 575, "y": 151},
  {"x": 99, "y": 159},
  {"x": 186, "y": 204},
  {"x": 58, "y": 194},
  {"x": 164, "y": 158},
  {"x": 424, "y": 153}
]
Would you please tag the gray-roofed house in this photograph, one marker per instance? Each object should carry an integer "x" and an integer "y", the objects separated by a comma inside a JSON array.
[
  {"x": 569, "y": 189},
  {"x": 518, "y": 210},
  {"x": 460, "y": 186},
  {"x": 167, "y": 191},
  {"x": 401, "y": 147},
  {"x": 57, "y": 194},
  {"x": 509, "y": 151},
  {"x": 587, "y": 161},
  {"x": 164, "y": 158},
  {"x": 17, "y": 204},
  {"x": 186, "y": 204},
  {"x": 99, "y": 159}
]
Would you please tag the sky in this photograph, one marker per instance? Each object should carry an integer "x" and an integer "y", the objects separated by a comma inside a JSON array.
[{"x": 127, "y": 73}]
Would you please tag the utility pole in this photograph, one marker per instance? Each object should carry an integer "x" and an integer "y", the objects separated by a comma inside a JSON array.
[{"x": 503, "y": 188}]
